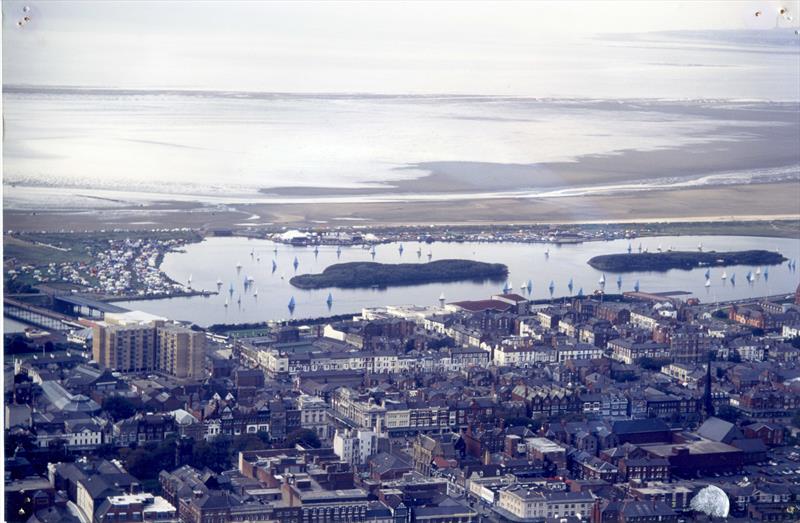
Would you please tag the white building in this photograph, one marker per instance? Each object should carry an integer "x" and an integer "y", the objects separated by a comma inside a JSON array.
[
  {"x": 355, "y": 446},
  {"x": 314, "y": 415},
  {"x": 523, "y": 356},
  {"x": 529, "y": 503},
  {"x": 83, "y": 435}
]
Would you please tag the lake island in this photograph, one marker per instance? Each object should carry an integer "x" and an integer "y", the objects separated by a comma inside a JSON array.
[
  {"x": 686, "y": 260},
  {"x": 373, "y": 274}
]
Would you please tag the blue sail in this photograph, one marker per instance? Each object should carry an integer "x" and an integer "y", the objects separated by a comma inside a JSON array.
[{"x": 636, "y": 286}]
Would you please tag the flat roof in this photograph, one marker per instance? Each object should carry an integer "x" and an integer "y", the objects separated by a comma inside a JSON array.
[
  {"x": 544, "y": 445},
  {"x": 128, "y": 317},
  {"x": 84, "y": 301},
  {"x": 694, "y": 447}
]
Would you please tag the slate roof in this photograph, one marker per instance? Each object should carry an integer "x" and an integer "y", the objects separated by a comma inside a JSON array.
[
  {"x": 384, "y": 462},
  {"x": 719, "y": 430},
  {"x": 53, "y": 515},
  {"x": 637, "y": 426},
  {"x": 632, "y": 508},
  {"x": 749, "y": 445}
]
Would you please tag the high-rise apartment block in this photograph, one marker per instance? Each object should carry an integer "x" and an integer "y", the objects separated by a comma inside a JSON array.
[
  {"x": 180, "y": 351},
  {"x": 137, "y": 342}
]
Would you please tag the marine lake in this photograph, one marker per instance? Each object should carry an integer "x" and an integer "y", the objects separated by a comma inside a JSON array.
[{"x": 268, "y": 296}]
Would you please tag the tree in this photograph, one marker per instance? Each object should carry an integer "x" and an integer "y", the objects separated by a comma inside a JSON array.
[
  {"x": 118, "y": 407},
  {"x": 440, "y": 343},
  {"x": 247, "y": 442},
  {"x": 305, "y": 437},
  {"x": 18, "y": 439},
  {"x": 652, "y": 363},
  {"x": 728, "y": 413},
  {"x": 147, "y": 461},
  {"x": 16, "y": 345}
]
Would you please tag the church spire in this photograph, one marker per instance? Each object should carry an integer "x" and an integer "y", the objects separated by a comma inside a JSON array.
[{"x": 708, "y": 403}]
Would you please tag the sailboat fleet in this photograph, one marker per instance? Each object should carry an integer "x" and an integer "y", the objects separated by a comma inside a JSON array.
[{"x": 508, "y": 286}]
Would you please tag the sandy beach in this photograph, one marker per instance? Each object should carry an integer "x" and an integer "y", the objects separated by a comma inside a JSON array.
[{"x": 717, "y": 203}]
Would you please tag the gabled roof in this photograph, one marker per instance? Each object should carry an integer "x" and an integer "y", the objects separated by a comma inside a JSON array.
[
  {"x": 749, "y": 445},
  {"x": 100, "y": 487},
  {"x": 638, "y": 426},
  {"x": 635, "y": 508},
  {"x": 719, "y": 430}
]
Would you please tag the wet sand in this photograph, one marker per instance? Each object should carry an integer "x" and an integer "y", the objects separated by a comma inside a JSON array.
[
  {"x": 755, "y": 137},
  {"x": 720, "y": 203},
  {"x": 762, "y": 137}
]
